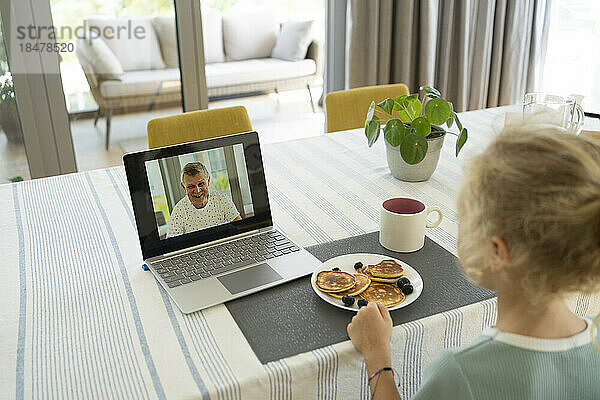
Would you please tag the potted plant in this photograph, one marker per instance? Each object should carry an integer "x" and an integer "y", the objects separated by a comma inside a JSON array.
[
  {"x": 9, "y": 116},
  {"x": 413, "y": 135}
]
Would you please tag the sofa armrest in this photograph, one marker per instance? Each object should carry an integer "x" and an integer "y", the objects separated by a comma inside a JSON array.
[
  {"x": 315, "y": 52},
  {"x": 88, "y": 70},
  {"x": 97, "y": 61}
]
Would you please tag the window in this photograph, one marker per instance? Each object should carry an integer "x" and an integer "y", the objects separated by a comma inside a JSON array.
[{"x": 573, "y": 57}]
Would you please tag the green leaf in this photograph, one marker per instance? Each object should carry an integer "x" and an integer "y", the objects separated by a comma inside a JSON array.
[
  {"x": 430, "y": 90},
  {"x": 372, "y": 131},
  {"x": 387, "y": 105},
  {"x": 458, "y": 124},
  {"x": 437, "y": 111},
  {"x": 413, "y": 105},
  {"x": 413, "y": 148},
  {"x": 400, "y": 106},
  {"x": 403, "y": 116},
  {"x": 370, "y": 112},
  {"x": 422, "y": 126},
  {"x": 399, "y": 101},
  {"x": 449, "y": 122},
  {"x": 462, "y": 139},
  {"x": 394, "y": 132}
]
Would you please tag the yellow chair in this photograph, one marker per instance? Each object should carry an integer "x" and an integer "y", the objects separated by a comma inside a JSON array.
[
  {"x": 197, "y": 125},
  {"x": 347, "y": 109}
]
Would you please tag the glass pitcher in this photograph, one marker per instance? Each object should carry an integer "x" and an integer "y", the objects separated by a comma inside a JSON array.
[{"x": 554, "y": 109}]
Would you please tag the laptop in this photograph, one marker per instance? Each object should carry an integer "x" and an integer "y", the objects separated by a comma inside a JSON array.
[{"x": 204, "y": 222}]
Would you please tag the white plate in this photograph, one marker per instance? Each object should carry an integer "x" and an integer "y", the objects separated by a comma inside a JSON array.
[{"x": 346, "y": 264}]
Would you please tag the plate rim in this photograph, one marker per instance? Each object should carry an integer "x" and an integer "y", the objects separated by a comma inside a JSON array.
[{"x": 354, "y": 308}]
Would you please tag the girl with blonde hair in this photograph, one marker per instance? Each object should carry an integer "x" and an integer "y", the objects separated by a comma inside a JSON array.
[{"x": 529, "y": 229}]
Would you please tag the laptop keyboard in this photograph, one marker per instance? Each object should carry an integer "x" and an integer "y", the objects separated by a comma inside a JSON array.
[{"x": 215, "y": 260}]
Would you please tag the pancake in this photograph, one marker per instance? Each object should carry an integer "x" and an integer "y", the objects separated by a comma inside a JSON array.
[
  {"x": 334, "y": 281},
  {"x": 362, "y": 282},
  {"x": 386, "y": 294},
  {"x": 386, "y": 269},
  {"x": 365, "y": 270}
]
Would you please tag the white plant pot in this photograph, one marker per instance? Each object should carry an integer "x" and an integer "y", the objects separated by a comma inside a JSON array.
[{"x": 418, "y": 172}]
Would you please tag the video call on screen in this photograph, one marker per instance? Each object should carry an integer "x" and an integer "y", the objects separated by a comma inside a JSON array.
[{"x": 195, "y": 191}]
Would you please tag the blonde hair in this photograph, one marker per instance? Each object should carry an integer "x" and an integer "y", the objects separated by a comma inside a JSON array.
[{"x": 538, "y": 189}]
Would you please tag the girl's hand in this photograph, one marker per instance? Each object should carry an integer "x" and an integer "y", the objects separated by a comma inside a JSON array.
[{"x": 371, "y": 331}]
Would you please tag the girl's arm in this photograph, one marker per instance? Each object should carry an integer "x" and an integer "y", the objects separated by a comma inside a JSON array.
[{"x": 371, "y": 332}]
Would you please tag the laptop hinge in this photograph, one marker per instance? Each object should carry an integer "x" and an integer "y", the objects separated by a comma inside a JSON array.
[{"x": 203, "y": 245}]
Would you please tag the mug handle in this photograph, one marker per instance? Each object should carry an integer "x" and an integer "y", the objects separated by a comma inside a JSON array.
[
  {"x": 577, "y": 124},
  {"x": 429, "y": 210}
]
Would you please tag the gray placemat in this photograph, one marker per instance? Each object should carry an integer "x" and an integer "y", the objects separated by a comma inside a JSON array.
[{"x": 291, "y": 319}]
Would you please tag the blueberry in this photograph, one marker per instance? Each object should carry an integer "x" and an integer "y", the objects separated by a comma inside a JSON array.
[
  {"x": 407, "y": 289},
  {"x": 336, "y": 269},
  {"x": 403, "y": 281},
  {"x": 348, "y": 300},
  {"x": 358, "y": 265},
  {"x": 362, "y": 303}
]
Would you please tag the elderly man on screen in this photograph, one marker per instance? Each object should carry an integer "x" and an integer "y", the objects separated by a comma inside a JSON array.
[{"x": 202, "y": 207}]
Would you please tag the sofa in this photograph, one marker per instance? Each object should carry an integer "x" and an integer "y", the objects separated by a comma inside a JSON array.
[{"x": 127, "y": 73}]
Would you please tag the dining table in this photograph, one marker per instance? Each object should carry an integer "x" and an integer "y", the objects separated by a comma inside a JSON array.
[{"x": 80, "y": 318}]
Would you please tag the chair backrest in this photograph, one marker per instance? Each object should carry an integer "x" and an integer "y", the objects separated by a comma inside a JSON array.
[
  {"x": 347, "y": 109},
  {"x": 197, "y": 125}
]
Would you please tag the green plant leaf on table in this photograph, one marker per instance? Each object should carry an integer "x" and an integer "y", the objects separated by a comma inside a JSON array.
[
  {"x": 400, "y": 106},
  {"x": 413, "y": 148},
  {"x": 462, "y": 138},
  {"x": 413, "y": 105},
  {"x": 372, "y": 131},
  {"x": 394, "y": 132},
  {"x": 412, "y": 121},
  {"x": 437, "y": 111},
  {"x": 458, "y": 124},
  {"x": 422, "y": 126},
  {"x": 399, "y": 100},
  {"x": 387, "y": 105}
]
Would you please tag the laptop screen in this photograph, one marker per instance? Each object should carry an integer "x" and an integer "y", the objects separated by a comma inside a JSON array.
[
  {"x": 194, "y": 193},
  {"x": 199, "y": 190}
]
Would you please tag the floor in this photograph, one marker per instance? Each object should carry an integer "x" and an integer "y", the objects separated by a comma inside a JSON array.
[{"x": 276, "y": 117}]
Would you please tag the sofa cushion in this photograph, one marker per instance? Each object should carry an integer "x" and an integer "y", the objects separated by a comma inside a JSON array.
[
  {"x": 142, "y": 83},
  {"x": 164, "y": 27},
  {"x": 148, "y": 82},
  {"x": 212, "y": 35},
  {"x": 134, "y": 51},
  {"x": 293, "y": 41},
  {"x": 258, "y": 70},
  {"x": 249, "y": 33},
  {"x": 93, "y": 51}
]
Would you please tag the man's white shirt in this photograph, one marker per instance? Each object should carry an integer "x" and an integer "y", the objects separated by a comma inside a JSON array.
[{"x": 186, "y": 218}]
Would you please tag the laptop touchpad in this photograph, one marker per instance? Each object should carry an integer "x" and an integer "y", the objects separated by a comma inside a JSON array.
[{"x": 249, "y": 278}]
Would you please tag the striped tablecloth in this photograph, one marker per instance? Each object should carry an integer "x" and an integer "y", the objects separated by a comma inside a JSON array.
[{"x": 80, "y": 319}]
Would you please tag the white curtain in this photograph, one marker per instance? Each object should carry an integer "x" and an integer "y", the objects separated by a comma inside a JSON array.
[{"x": 477, "y": 53}]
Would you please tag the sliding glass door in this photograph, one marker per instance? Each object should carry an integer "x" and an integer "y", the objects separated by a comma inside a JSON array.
[
  {"x": 120, "y": 70},
  {"x": 13, "y": 158},
  {"x": 108, "y": 68}
]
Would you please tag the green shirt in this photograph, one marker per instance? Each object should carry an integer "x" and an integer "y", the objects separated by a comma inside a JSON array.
[{"x": 501, "y": 365}]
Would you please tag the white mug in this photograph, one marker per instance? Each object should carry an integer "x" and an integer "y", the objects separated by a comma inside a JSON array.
[{"x": 403, "y": 223}]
